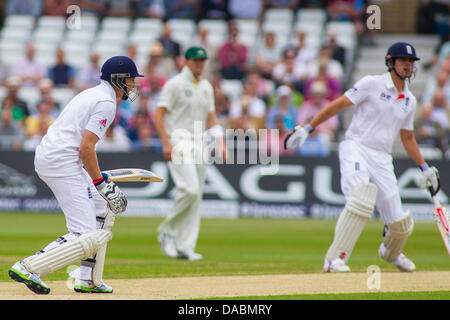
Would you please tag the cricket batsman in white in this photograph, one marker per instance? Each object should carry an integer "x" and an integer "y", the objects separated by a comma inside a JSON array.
[
  {"x": 67, "y": 162},
  {"x": 384, "y": 108},
  {"x": 186, "y": 100}
]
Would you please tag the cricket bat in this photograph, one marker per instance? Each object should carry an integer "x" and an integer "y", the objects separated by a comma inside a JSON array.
[
  {"x": 442, "y": 221},
  {"x": 132, "y": 175}
]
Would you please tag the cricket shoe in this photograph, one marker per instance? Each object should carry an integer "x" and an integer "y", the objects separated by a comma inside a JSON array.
[
  {"x": 401, "y": 262},
  {"x": 189, "y": 255},
  {"x": 20, "y": 273},
  {"x": 167, "y": 244},
  {"x": 337, "y": 265},
  {"x": 88, "y": 286}
]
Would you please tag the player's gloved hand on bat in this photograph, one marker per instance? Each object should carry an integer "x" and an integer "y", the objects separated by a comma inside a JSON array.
[
  {"x": 299, "y": 133},
  {"x": 112, "y": 194},
  {"x": 430, "y": 179}
]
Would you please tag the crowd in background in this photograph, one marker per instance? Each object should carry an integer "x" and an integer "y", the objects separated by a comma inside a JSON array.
[{"x": 281, "y": 86}]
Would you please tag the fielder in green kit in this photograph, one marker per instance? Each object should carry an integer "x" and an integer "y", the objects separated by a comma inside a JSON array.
[{"x": 185, "y": 111}]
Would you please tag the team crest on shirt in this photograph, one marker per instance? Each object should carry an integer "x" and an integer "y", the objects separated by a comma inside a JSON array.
[
  {"x": 385, "y": 97},
  {"x": 405, "y": 106},
  {"x": 188, "y": 93}
]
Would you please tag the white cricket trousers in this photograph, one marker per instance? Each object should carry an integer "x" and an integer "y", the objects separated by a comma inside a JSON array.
[
  {"x": 361, "y": 164},
  {"x": 79, "y": 200},
  {"x": 183, "y": 221}
]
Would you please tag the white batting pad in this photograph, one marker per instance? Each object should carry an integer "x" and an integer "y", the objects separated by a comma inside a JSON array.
[
  {"x": 97, "y": 271},
  {"x": 396, "y": 235},
  {"x": 70, "y": 252},
  {"x": 351, "y": 222}
]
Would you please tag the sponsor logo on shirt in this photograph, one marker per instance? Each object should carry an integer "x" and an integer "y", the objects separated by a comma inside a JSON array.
[
  {"x": 103, "y": 123},
  {"x": 385, "y": 97},
  {"x": 353, "y": 89}
]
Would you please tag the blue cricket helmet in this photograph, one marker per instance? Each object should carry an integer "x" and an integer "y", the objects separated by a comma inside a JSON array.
[
  {"x": 115, "y": 70},
  {"x": 401, "y": 50},
  {"x": 119, "y": 66}
]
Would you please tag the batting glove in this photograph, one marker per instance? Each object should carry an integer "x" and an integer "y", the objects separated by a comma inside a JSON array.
[
  {"x": 299, "y": 133},
  {"x": 430, "y": 179},
  {"x": 112, "y": 194}
]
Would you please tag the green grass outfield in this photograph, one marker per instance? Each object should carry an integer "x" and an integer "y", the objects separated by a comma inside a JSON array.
[{"x": 230, "y": 247}]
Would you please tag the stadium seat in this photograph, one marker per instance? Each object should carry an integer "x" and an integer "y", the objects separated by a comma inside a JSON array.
[
  {"x": 80, "y": 36},
  {"x": 16, "y": 34},
  {"x": 275, "y": 16},
  {"x": 51, "y": 22},
  {"x": 20, "y": 21},
  {"x": 112, "y": 36},
  {"x": 89, "y": 22},
  {"x": 116, "y": 23},
  {"x": 214, "y": 26},
  {"x": 31, "y": 95},
  {"x": 62, "y": 95},
  {"x": 147, "y": 25},
  {"x": 232, "y": 88},
  {"x": 312, "y": 15},
  {"x": 142, "y": 36},
  {"x": 247, "y": 26},
  {"x": 47, "y": 35},
  {"x": 182, "y": 25}
]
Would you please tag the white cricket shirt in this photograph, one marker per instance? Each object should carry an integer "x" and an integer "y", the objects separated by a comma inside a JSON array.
[
  {"x": 380, "y": 113},
  {"x": 93, "y": 109},
  {"x": 187, "y": 101}
]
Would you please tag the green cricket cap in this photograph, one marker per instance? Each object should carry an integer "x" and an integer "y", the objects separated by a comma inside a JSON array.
[{"x": 195, "y": 53}]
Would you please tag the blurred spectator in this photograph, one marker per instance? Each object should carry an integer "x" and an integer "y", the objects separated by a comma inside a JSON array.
[
  {"x": 11, "y": 136},
  {"x": 114, "y": 140},
  {"x": 4, "y": 71},
  {"x": 28, "y": 7},
  {"x": 438, "y": 82},
  {"x": 249, "y": 111},
  {"x": 62, "y": 74},
  {"x": 132, "y": 53},
  {"x": 157, "y": 69},
  {"x": 347, "y": 10},
  {"x": 32, "y": 142},
  {"x": 264, "y": 87},
  {"x": 43, "y": 114},
  {"x": 19, "y": 108},
  {"x": 46, "y": 88},
  {"x": 214, "y": 9},
  {"x": 171, "y": 47},
  {"x": 284, "y": 110},
  {"x": 281, "y": 4},
  {"x": 28, "y": 68},
  {"x": 92, "y": 7},
  {"x": 56, "y": 7},
  {"x": 322, "y": 135},
  {"x": 245, "y": 9},
  {"x": 267, "y": 54},
  {"x": 153, "y": 9},
  {"x": 145, "y": 141},
  {"x": 233, "y": 56},
  {"x": 141, "y": 117},
  {"x": 332, "y": 85},
  {"x": 120, "y": 8},
  {"x": 275, "y": 138},
  {"x": 338, "y": 52},
  {"x": 182, "y": 9},
  {"x": 201, "y": 40},
  {"x": 334, "y": 68},
  {"x": 223, "y": 104},
  {"x": 90, "y": 75},
  {"x": 287, "y": 72},
  {"x": 304, "y": 53},
  {"x": 441, "y": 109},
  {"x": 429, "y": 15},
  {"x": 429, "y": 132},
  {"x": 313, "y": 4}
]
